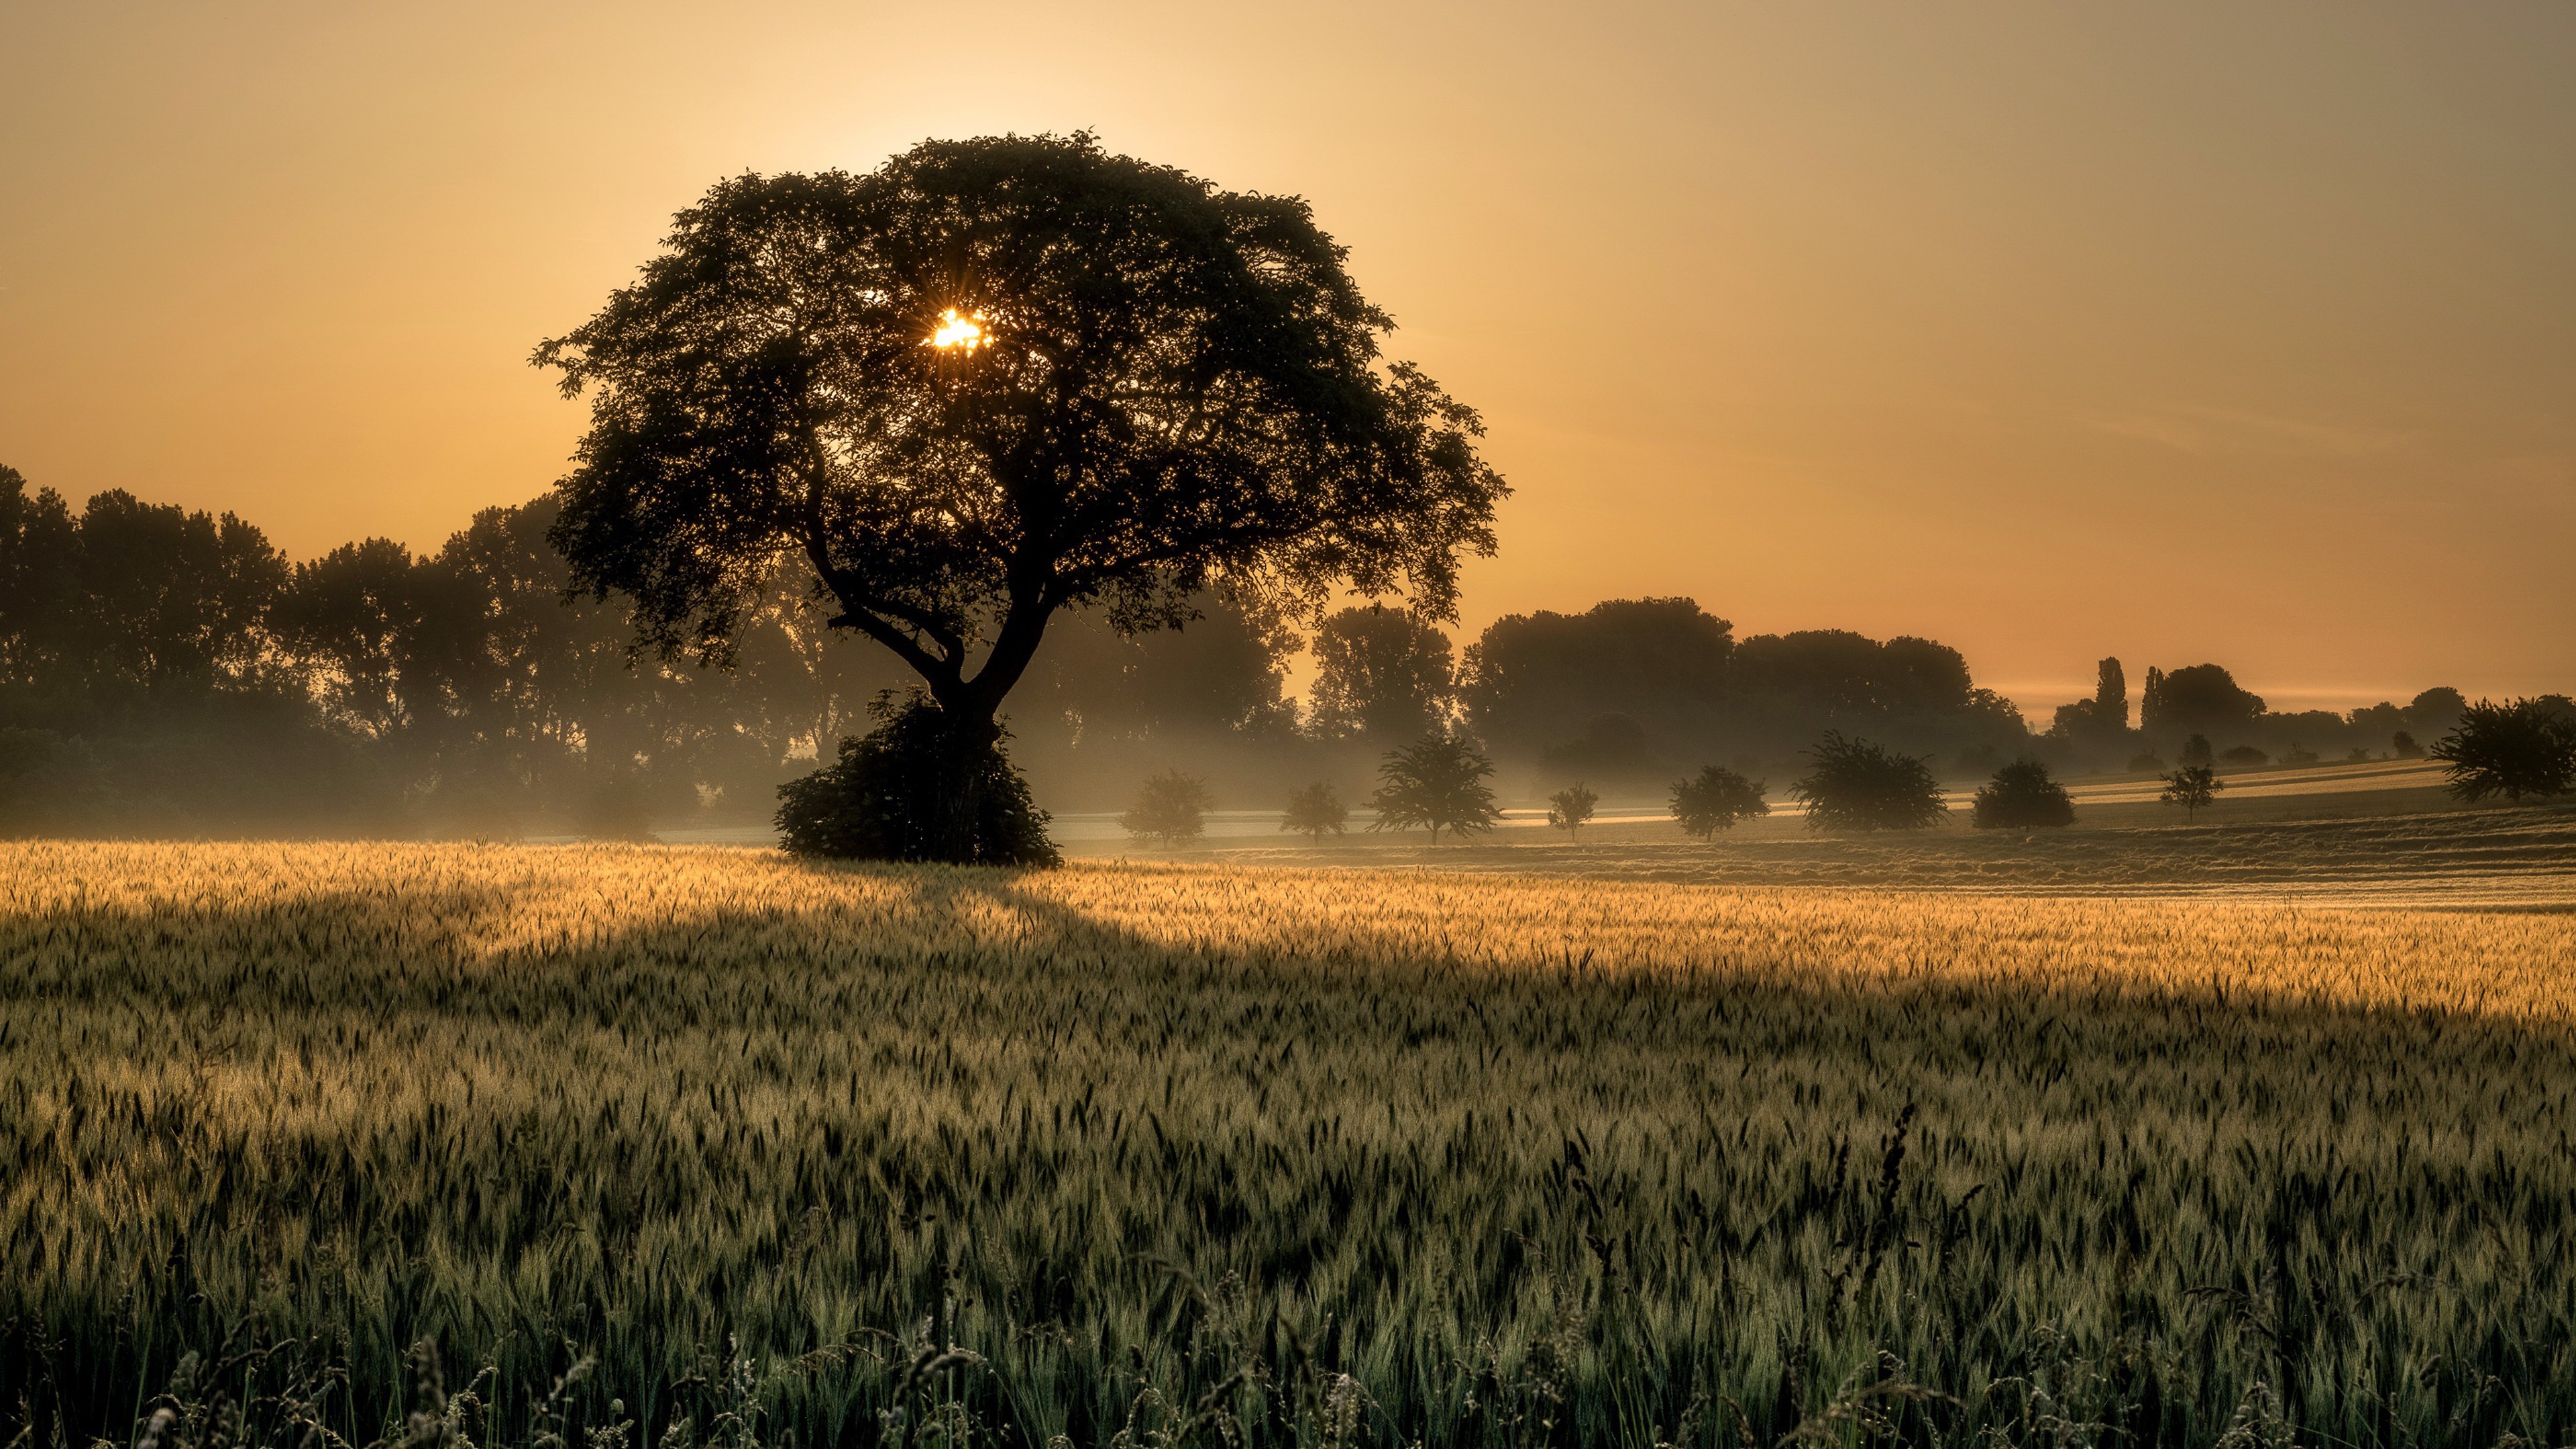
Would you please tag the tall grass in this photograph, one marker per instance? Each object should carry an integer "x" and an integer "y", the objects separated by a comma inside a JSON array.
[{"x": 711, "y": 1145}]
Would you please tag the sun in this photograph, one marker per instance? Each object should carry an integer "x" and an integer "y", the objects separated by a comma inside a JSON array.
[{"x": 956, "y": 331}]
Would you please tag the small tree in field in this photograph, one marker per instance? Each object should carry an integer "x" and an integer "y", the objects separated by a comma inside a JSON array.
[
  {"x": 1437, "y": 781},
  {"x": 2022, "y": 796},
  {"x": 2192, "y": 787},
  {"x": 1315, "y": 811},
  {"x": 1856, "y": 785},
  {"x": 1171, "y": 809},
  {"x": 1714, "y": 800},
  {"x": 2521, "y": 747},
  {"x": 1570, "y": 807}
]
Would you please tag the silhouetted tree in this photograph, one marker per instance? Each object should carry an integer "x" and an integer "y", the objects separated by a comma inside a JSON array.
[
  {"x": 2023, "y": 796},
  {"x": 1437, "y": 781},
  {"x": 2517, "y": 748},
  {"x": 1155, "y": 386},
  {"x": 1380, "y": 674},
  {"x": 2106, "y": 713},
  {"x": 1568, "y": 809},
  {"x": 351, "y": 616},
  {"x": 1856, "y": 785},
  {"x": 1315, "y": 811},
  {"x": 1533, "y": 680},
  {"x": 881, "y": 800},
  {"x": 2202, "y": 698},
  {"x": 1170, "y": 810},
  {"x": 2402, "y": 745},
  {"x": 2196, "y": 751},
  {"x": 2434, "y": 711},
  {"x": 2193, "y": 787},
  {"x": 1714, "y": 799}
]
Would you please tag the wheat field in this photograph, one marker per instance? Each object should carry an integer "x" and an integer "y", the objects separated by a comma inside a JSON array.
[{"x": 711, "y": 1146}]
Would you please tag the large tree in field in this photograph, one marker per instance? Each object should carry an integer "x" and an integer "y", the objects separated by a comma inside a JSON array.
[{"x": 991, "y": 380}]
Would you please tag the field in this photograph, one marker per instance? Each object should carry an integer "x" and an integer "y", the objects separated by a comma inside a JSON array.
[{"x": 702, "y": 1145}]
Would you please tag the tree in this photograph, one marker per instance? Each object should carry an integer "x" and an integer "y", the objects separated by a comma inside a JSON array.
[
  {"x": 2193, "y": 787},
  {"x": 1438, "y": 781},
  {"x": 2403, "y": 745},
  {"x": 1380, "y": 674},
  {"x": 2202, "y": 697},
  {"x": 1568, "y": 809},
  {"x": 989, "y": 381},
  {"x": 1534, "y": 680},
  {"x": 349, "y": 616},
  {"x": 1171, "y": 809},
  {"x": 2196, "y": 751},
  {"x": 1856, "y": 785},
  {"x": 2517, "y": 748},
  {"x": 1714, "y": 800},
  {"x": 881, "y": 800},
  {"x": 1315, "y": 811},
  {"x": 2023, "y": 796}
]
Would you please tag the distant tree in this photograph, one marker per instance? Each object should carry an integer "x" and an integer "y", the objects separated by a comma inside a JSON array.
[
  {"x": 1380, "y": 674},
  {"x": 2148, "y": 762},
  {"x": 2244, "y": 757},
  {"x": 1315, "y": 811},
  {"x": 1171, "y": 809},
  {"x": 2023, "y": 796},
  {"x": 2434, "y": 711},
  {"x": 2110, "y": 695},
  {"x": 1531, "y": 681},
  {"x": 1714, "y": 799},
  {"x": 2202, "y": 697},
  {"x": 2192, "y": 787},
  {"x": 620, "y": 808},
  {"x": 1612, "y": 745},
  {"x": 1856, "y": 785},
  {"x": 1150, "y": 387},
  {"x": 352, "y": 617},
  {"x": 881, "y": 800},
  {"x": 1437, "y": 781},
  {"x": 1568, "y": 809},
  {"x": 2517, "y": 748},
  {"x": 2298, "y": 754},
  {"x": 2196, "y": 751},
  {"x": 2403, "y": 745}
]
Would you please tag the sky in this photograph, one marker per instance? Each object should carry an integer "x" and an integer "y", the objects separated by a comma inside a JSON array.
[{"x": 2182, "y": 332}]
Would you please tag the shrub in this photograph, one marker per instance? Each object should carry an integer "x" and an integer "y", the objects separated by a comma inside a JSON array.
[
  {"x": 1315, "y": 811},
  {"x": 2022, "y": 796},
  {"x": 2245, "y": 757},
  {"x": 1570, "y": 807},
  {"x": 882, "y": 799},
  {"x": 2148, "y": 761},
  {"x": 2521, "y": 747},
  {"x": 2404, "y": 747},
  {"x": 1171, "y": 809},
  {"x": 1857, "y": 785},
  {"x": 1438, "y": 781},
  {"x": 2196, "y": 751},
  {"x": 1715, "y": 800}
]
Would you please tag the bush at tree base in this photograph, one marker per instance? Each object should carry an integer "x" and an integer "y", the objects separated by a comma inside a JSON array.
[
  {"x": 881, "y": 801},
  {"x": 2022, "y": 796}
]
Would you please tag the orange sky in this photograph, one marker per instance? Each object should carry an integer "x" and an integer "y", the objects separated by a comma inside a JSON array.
[{"x": 2181, "y": 332}]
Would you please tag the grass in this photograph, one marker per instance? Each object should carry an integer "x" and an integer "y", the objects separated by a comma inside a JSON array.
[{"x": 717, "y": 1147}]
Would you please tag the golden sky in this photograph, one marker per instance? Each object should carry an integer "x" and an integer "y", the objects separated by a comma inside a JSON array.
[{"x": 2176, "y": 331}]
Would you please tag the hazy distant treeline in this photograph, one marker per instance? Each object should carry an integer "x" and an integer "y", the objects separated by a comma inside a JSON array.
[{"x": 170, "y": 672}]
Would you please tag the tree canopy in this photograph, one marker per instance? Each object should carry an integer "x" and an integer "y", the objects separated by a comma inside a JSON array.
[
  {"x": 1714, "y": 800},
  {"x": 1437, "y": 781},
  {"x": 2517, "y": 748},
  {"x": 1857, "y": 785},
  {"x": 1380, "y": 674},
  {"x": 2022, "y": 796},
  {"x": 1158, "y": 386}
]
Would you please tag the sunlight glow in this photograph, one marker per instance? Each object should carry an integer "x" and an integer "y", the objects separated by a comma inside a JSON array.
[{"x": 956, "y": 331}]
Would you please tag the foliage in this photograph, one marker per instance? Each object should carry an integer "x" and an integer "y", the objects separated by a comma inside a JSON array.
[
  {"x": 716, "y": 1144},
  {"x": 2148, "y": 761},
  {"x": 2193, "y": 787},
  {"x": 2196, "y": 751},
  {"x": 1170, "y": 810},
  {"x": 2244, "y": 757},
  {"x": 1857, "y": 785},
  {"x": 1177, "y": 387},
  {"x": 619, "y": 808},
  {"x": 1437, "y": 781},
  {"x": 1532, "y": 680},
  {"x": 2403, "y": 746},
  {"x": 1315, "y": 811},
  {"x": 2023, "y": 796},
  {"x": 1380, "y": 674},
  {"x": 892, "y": 795},
  {"x": 2517, "y": 748},
  {"x": 1714, "y": 799},
  {"x": 2199, "y": 698},
  {"x": 1571, "y": 808}
]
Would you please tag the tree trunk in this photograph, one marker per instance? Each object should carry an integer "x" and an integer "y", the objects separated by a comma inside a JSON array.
[{"x": 964, "y": 766}]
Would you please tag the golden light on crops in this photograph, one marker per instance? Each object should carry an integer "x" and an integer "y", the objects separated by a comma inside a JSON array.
[{"x": 957, "y": 331}]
